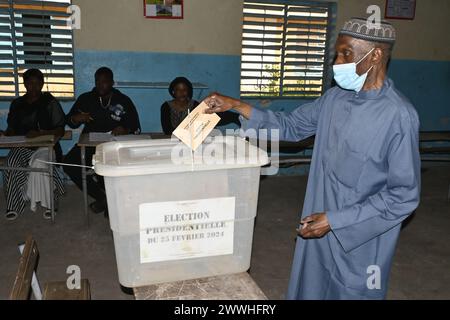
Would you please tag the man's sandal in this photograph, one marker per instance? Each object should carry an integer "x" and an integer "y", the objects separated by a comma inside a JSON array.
[
  {"x": 48, "y": 214},
  {"x": 11, "y": 215}
]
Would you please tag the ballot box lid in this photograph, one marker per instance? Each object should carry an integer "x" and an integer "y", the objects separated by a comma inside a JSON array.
[{"x": 144, "y": 157}]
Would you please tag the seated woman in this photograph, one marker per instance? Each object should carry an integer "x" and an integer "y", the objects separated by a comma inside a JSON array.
[
  {"x": 34, "y": 114},
  {"x": 173, "y": 112}
]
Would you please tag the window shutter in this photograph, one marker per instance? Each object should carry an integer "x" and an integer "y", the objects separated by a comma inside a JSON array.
[
  {"x": 35, "y": 34},
  {"x": 284, "y": 49}
]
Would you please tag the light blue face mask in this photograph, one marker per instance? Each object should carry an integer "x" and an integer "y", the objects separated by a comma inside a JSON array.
[{"x": 346, "y": 76}]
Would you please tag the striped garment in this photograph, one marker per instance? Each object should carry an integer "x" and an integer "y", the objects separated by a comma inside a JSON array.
[{"x": 16, "y": 182}]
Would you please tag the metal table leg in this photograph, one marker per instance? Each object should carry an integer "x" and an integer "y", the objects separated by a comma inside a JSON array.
[
  {"x": 52, "y": 184},
  {"x": 448, "y": 196},
  {"x": 83, "y": 177}
]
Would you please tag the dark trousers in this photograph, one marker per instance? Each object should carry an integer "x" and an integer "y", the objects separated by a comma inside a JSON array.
[{"x": 95, "y": 183}]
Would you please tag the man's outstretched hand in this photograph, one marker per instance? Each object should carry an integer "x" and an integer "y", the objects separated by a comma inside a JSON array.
[
  {"x": 220, "y": 103},
  {"x": 314, "y": 226}
]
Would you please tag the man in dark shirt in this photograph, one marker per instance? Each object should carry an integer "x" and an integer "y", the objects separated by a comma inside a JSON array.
[{"x": 104, "y": 109}]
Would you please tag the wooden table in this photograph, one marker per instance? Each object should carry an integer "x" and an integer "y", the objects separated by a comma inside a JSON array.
[
  {"x": 238, "y": 286},
  {"x": 34, "y": 145},
  {"x": 424, "y": 136},
  {"x": 83, "y": 143}
]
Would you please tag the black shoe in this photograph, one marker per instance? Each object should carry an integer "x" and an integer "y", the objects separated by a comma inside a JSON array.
[{"x": 98, "y": 206}]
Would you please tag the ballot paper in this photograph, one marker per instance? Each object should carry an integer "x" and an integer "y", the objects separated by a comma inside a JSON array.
[
  {"x": 12, "y": 139},
  {"x": 196, "y": 127}
]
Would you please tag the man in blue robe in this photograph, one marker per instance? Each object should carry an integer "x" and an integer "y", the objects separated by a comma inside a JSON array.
[{"x": 364, "y": 178}]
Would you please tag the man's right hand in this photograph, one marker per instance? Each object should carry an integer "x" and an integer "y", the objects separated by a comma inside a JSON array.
[
  {"x": 221, "y": 103},
  {"x": 81, "y": 117}
]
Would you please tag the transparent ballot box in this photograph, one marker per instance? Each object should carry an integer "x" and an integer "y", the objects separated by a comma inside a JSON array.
[{"x": 177, "y": 214}]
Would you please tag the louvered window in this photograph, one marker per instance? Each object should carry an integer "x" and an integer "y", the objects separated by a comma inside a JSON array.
[
  {"x": 285, "y": 49},
  {"x": 35, "y": 34}
]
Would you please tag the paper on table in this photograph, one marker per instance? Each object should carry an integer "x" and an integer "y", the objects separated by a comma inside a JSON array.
[
  {"x": 196, "y": 127},
  {"x": 44, "y": 138},
  {"x": 100, "y": 136},
  {"x": 132, "y": 137},
  {"x": 13, "y": 139}
]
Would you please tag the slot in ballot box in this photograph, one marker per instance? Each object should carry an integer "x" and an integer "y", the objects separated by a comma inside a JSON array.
[{"x": 177, "y": 214}]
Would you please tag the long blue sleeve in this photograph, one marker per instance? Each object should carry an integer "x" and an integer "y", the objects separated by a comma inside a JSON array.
[{"x": 297, "y": 125}]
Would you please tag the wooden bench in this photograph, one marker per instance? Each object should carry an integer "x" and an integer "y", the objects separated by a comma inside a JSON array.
[
  {"x": 427, "y": 153},
  {"x": 52, "y": 290},
  {"x": 430, "y": 152}
]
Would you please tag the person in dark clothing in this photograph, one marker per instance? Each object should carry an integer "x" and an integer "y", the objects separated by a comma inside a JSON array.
[
  {"x": 173, "y": 112},
  {"x": 34, "y": 114},
  {"x": 104, "y": 109}
]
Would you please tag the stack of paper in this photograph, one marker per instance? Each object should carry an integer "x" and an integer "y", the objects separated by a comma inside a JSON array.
[
  {"x": 100, "y": 136},
  {"x": 132, "y": 137},
  {"x": 44, "y": 138},
  {"x": 13, "y": 139},
  {"x": 107, "y": 136}
]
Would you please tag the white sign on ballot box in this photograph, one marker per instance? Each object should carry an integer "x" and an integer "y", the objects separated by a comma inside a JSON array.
[{"x": 177, "y": 230}]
